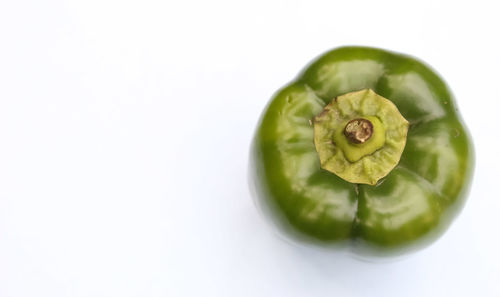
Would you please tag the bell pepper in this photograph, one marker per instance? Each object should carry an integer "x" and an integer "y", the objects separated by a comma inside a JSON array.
[{"x": 364, "y": 151}]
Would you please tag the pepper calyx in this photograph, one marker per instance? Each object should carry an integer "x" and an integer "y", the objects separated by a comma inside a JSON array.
[{"x": 360, "y": 136}]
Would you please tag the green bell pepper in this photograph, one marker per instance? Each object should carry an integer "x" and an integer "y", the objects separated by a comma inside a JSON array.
[{"x": 365, "y": 151}]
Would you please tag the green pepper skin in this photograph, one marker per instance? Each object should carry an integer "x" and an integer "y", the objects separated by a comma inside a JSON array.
[{"x": 410, "y": 207}]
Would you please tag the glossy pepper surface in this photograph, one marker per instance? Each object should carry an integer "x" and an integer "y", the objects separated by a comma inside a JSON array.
[{"x": 394, "y": 193}]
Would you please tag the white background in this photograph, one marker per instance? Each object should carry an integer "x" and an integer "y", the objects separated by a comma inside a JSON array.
[{"x": 124, "y": 136}]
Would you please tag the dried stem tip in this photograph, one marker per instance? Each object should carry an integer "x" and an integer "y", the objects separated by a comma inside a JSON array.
[{"x": 358, "y": 130}]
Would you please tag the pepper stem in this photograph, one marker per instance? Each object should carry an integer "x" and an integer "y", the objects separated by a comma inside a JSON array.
[
  {"x": 360, "y": 136},
  {"x": 358, "y": 130}
]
